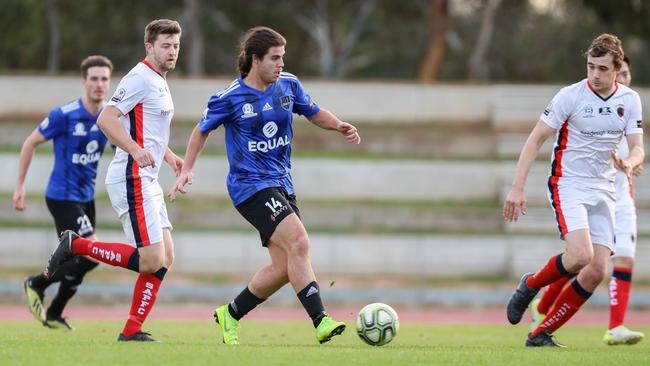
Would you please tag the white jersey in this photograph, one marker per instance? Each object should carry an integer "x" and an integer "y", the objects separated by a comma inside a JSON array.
[
  {"x": 146, "y": 103},
  {"x": 589, "y": 128}
]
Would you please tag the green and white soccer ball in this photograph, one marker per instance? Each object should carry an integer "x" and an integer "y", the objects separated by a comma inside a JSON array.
[{"x": 377, "y": 324}]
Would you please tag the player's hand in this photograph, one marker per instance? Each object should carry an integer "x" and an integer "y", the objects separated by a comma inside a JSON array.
[
  {"x": 183, "y": 179},
  {"x": 19, "y": 199},
  {"x": 175, "y": 162},
  {"x": 637, "y": 170},
  {"x": 144, "y": 158},
  {"x": 515, "y": 201},
  {"x": 350, "y": 132},
  {"x": 622, "y": 164}
]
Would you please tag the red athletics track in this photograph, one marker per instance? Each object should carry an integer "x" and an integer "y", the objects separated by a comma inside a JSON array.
[{"x": 432, "y": 316}]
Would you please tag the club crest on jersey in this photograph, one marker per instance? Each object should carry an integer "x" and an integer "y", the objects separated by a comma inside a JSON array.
[
  {"x": 285, "y": 102},
  {"x": 119, "y": 94},
  {"x": 248, "y": 111},
  {"x": 79, "y": 130},
  {"x": 620, "y": 110}
]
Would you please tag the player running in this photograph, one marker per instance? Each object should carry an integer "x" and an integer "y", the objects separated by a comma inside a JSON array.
[
  {"x": 70, "y": 193},
  {"x": 623, "y": 259},
  {"x": 589, "y": 119},
  {"x": 256, "y": 112},
  {"x": 137, "y": 120}
]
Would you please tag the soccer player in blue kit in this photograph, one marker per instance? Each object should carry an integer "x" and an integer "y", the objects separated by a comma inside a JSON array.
[
  {"x": 70, "y": 194},
  {"x": 256, "y": 112}
]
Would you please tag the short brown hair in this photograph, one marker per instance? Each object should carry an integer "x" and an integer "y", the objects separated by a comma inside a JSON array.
[
  {"x": 160, "y": 26},
  {"x": 256, "y": 41},
  {"x": 607, "y": 43},
  {"x": 94, "y": 61}
]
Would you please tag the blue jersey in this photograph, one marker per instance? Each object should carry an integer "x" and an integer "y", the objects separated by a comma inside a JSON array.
[
  {"x": 78, "y": 145},
  {"x": 258, "y": 132}
]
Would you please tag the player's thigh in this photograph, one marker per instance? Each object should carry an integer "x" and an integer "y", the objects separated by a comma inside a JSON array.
[
  {"x": 602, "y": 215},
  {"x": 568, "y": 205},
  {"x": 168, "y": 242},
  {"x": 626, "y": 231},
  {"x": 73, "y": 216},
  {"x": 291, "y": 233}
]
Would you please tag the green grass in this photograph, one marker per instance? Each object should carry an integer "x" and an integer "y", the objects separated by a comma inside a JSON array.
[{"x": 293, "y": 343}]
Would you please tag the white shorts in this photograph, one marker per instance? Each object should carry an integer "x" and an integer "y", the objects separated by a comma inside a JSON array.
[
  {"x": 625, "y": 227},
  {"x": 140, "y": 204},
  {"x": 577, "y": 206}
]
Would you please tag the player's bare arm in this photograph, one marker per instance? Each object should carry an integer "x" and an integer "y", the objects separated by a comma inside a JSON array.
[
  {"x": 328, "y": 121},
  {"x": 25, "y": 160},
  {"x": 516, "y": 199},
  {"x": 109, "y": 122},
  {"x": 637, "y": 153},
  {"x": 194, "y": 148},
  {"x": 174, "y": 161}
]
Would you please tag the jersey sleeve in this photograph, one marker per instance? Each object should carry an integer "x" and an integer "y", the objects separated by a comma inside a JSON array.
[
  {"x": 215, "y": 114},
  {"x": 53, "y": 125},
  {"x": 130, "y": 91},
  {"x": 302, "y": 103},
  {"x": 559, "y": 110},
  {"x": 634, "y": 116}
]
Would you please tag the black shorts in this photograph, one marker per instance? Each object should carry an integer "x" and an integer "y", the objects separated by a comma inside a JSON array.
[
  {"x": 76, "y": 216},
  {"x": 267, "y": 208}
]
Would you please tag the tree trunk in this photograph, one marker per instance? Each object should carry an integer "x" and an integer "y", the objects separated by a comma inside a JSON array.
[
  {"x": 440, "y": 25},
  {"x": 478, "y": 67},
  {"x": 194, "y": 36},
  {"x": 54, "y": 30}
]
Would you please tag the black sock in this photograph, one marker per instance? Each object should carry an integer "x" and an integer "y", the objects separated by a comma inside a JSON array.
[
  {"x": 40, "y": 281},
  {"x": 71, "y": 275},
  {"x": 243, "y": 304},
  {"x": 311, "y": 301}
]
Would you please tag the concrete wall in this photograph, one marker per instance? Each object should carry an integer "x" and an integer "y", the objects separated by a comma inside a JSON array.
[
  {"x": 506, "y": 105},
  {"x": 412, "y": 255},
  {"x": 318, "y": 178}
]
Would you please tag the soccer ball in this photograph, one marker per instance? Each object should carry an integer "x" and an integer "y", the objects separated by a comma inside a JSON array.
[{"x": 377, "y": 324}]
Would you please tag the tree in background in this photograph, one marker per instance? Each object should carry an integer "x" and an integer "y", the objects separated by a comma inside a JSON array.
[
  {"x": 439, "y": 26},
  {"x": 429, "y": 40}
]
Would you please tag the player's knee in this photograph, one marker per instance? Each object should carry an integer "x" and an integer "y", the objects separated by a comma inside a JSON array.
[
  {"x": 151, "y": 263},
  {"x": 597, "y": 272},
  {"x": 169, "y": 259},
  {"x": 577, "y": 260},
  {"x": 300, "y": 245}
]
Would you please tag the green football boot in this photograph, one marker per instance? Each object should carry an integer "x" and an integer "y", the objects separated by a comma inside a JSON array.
[
  {"x": 34, "y": 300},
  {"x": 228, "y": 325},
  {"x": 622, "y": 335},
  {"x": 328, "y": 328}
]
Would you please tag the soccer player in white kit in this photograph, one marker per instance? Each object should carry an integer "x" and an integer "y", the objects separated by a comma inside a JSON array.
[
  {"x": 623, "y": 259},
  {"x": 589, "y": 119},
  {"x": 626, "y": 235},
  {"x": 137, "y": 120}
]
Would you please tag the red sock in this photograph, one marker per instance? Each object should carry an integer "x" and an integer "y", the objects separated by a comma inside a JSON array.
[
  {"x": 551, "y": 272},
  {"x": 115, "y": 254},
  {"x": 144, "y": 297},
  {"x": 567, "y": 304},
  {"x": 619, "y": 295},
  {"x": 551, "y": 293}
]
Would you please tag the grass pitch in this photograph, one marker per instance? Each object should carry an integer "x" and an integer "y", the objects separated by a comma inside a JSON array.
[{"x": 293, "y": 343}]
